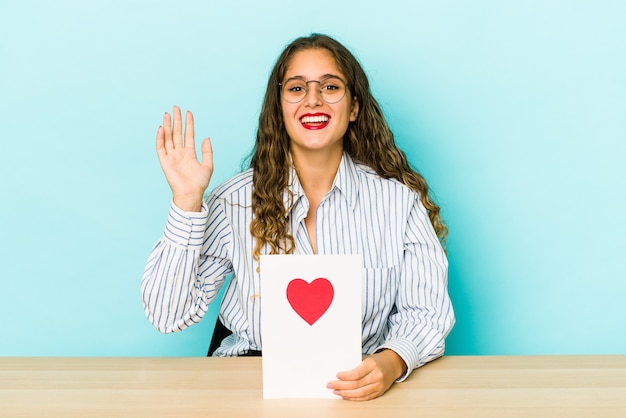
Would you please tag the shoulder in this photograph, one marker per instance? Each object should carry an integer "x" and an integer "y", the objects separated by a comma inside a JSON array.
[{"x": 370, "y": 180}]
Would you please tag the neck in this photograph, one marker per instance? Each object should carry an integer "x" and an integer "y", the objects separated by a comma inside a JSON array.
[{"x": 317, "y": 171}]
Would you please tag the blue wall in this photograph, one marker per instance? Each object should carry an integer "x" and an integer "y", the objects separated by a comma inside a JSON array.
[{"x": 515, "y": 113}]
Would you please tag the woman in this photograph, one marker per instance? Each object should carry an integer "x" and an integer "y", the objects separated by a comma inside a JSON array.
[{"x": 325, "y": 177}]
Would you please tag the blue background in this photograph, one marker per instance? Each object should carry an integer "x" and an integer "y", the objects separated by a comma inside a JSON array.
[{"x": 515, "y": 112}]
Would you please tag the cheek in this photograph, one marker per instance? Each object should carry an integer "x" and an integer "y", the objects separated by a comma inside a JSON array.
[
  {"x": 288, "y": 113},
  {"x": 289, "y": 122}
]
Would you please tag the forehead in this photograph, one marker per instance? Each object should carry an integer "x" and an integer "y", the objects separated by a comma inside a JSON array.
[{"x": 312, "y": 63}]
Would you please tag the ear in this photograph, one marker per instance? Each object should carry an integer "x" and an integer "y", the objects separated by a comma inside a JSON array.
[{"x": 354, "y": 109}]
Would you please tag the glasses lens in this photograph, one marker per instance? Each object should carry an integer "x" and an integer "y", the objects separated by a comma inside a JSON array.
[
  {"x": 294, "y": 90},
  {"x": 332, "y": 89}
]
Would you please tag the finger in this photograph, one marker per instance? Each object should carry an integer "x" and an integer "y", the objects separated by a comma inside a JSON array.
[
  {"x": 357, "y": 390},
  {"x": 207, "y": 153},
  {"x": 366, "y": 380},
  {"x": 339, "y": 385},
  {"x": 360, "y": 390},
  {"x": 362, "y": 394},
  {"x": 177, "y": 130},
  {"x": 189, "y": 132},
  {"x": 160, "y": 141},
  {"x": 357, "y": 373},
  {"x": 167, "y": 132}
]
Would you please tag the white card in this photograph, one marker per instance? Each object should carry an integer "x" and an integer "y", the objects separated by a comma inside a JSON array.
[{"x": 310, "y": 322}]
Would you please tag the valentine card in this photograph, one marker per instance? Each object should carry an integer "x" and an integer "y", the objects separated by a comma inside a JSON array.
[{"x": 310, "y": 322}]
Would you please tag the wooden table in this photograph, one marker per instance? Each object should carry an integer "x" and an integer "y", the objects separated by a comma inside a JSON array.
[{"x": 507, "y": 386}]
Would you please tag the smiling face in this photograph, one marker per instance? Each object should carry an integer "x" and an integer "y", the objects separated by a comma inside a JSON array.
[{"x": 312, "y": 124}]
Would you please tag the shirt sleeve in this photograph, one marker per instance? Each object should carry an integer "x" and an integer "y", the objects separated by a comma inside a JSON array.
[
  {"x": 423, "y": 314},
  {"x": 187, "y": 266}
]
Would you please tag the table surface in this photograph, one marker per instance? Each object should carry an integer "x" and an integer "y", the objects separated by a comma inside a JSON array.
[{"x": 453, "y": 386}]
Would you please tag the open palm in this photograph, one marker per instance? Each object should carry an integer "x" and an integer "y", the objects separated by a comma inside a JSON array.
[{"x": 188, "y": 178}]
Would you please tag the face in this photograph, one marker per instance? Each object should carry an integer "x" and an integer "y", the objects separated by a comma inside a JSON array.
[{"x": 313, "y": 124}]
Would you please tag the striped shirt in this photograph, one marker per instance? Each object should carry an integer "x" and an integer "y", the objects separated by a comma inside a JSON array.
[{"x": 405, "y": 302}]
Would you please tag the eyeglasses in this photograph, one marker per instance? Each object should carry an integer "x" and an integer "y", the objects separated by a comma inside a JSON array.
[{"x": 332, "y": 89}]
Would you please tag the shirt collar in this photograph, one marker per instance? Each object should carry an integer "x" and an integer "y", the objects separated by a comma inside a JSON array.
[{"x": 345, "y": 181}]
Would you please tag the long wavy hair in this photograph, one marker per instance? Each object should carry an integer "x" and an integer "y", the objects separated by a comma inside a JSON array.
[{"x": 367, "y": 140}]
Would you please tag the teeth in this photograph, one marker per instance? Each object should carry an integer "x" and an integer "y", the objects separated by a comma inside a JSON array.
[{"x": 314, "y": 119}]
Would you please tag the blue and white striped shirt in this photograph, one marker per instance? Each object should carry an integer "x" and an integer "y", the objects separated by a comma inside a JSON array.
[{"x": 405, "y": 307}]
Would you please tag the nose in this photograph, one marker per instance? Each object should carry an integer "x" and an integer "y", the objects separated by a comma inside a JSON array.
[{"x": 313, "y": 95}]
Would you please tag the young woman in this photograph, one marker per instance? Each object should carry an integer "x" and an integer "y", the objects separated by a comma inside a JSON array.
[{"x": 325, "y": 177}]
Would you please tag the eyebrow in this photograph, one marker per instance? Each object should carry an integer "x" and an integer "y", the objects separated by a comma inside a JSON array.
[{"x": 323, "y": 77}]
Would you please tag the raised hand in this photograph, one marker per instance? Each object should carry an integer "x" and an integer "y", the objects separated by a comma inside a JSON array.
[{"x": 188, "y": 178}]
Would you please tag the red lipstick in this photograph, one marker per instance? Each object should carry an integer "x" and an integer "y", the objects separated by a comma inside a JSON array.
[{"x": 314, "y": 121}]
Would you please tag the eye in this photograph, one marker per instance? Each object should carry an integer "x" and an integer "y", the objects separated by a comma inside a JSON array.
[
  {"x": 295, "y": 86},
  {"x": 330, "y": 87}
]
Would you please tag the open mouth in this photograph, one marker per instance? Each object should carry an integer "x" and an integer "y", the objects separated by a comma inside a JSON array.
[{"x": 315, "y": 121}]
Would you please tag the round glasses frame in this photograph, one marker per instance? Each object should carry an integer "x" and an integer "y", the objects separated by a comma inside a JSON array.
[{"x": 331, "y": 89}]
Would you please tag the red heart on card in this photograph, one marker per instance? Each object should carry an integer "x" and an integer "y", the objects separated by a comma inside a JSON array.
[{"x": 310, "y": 300}]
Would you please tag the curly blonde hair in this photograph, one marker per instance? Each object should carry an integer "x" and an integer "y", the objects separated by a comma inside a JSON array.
[{"x": 368, "y": 140}]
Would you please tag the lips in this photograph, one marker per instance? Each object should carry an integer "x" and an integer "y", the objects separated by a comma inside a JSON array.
[{"x": 314, "y": 121}]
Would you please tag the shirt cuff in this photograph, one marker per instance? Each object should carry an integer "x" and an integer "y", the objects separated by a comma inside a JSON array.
[
  {"x": 408, "y": 353},
  {"x": 186, "y": 229}
]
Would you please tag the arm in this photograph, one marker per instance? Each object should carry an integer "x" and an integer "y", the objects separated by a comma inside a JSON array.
[
  {"x": 176, "y": 289},
  {"x": 424, "y": 315},
  {"x": 421, "y": 320},
  {"x": 187, "y": 267}
]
